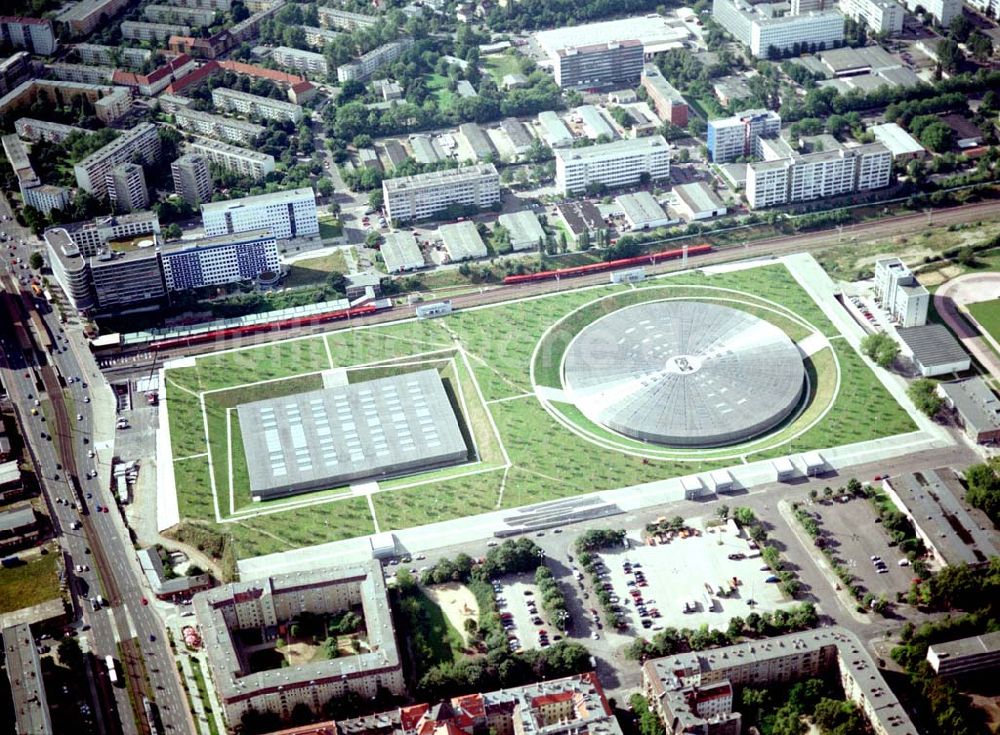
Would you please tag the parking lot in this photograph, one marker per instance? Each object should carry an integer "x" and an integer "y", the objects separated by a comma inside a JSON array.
[
  {"x": 669, "y": 578},
  {"x": 854, "y": 533},
  {"x": 521, "y": 611}
]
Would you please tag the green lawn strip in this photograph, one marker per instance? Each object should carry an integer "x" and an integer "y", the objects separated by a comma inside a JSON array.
[
  {"x": 187, "y": 429},
  {"x": 437, "y": 85},
  {"x": 329, "y": 228},
  {"x": 457, "y": 498},
  {"x": 987, "y": 313},
  {"x": 312, "y": 271},
  {"x": 194, "y": 490},
  {"x": 263, "y": 362},
  {"x": 443, "y": 640},
  {"x": 29, "y": 584},
  {"x": 500, "y": 65},
  {"x": 199, "y": 678},
  {"x": 366, "y": 346}
]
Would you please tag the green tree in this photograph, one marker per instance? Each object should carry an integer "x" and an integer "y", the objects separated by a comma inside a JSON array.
[
  {"x": 723, "y": 511},
  {"x": 36, "y": 261},
  {"x": 375, "y": 199},
  {"x": 880, "y": 348},
  {"x": 949, "y": 56},
  {"x": 923, "y": 393},
  {"x": 937, "y": 136},
  {"x": 172, "y": 231},
  {"x": 70, "y": 654}
]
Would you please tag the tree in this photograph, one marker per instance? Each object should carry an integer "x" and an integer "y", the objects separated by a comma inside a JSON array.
[
  {"x": 194, "y": 571},
  {"x": 923, "y": 393},
  {"x": 949, "y": 55},
  {"x": 723, "y": 511},
  {"x": 813, "y": 493},
  {"x": 325, "y": 187},
  {"x": 960, "y": 28},
  {"x": 36, "y": 261},
  {"x": 172, "y": 231},
  {"x": 937, "y": 136},
  {"x": 744, "y": 516},
  {"x": 880, "y": 348},
  {"x": 70, "y": 654},
  {"x": 375, "y": 199}
]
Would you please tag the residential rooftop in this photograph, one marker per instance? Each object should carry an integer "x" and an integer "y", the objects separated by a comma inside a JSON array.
[{"x": 453, "y": 175}]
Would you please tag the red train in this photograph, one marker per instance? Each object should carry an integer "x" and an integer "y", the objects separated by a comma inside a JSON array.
[
  {"x": 218, "y": 335},
  {"x": 584, "y": 270}
]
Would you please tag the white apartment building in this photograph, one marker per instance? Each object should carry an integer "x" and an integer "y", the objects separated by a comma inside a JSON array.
[
  {"x": 113, "y": 106},
  {"x": 142, "y": 141},
  {"x": 218, "y": 126},
  {"x": 304, "y": 62},
  {"x": 737, "y": 136},
  {"x": 612, "y": 165},
  {"x": 365, "y": 66},
  {"x": 900, "y": 294},
  {"x": 881, "y": 16},
  {"x": 989, "y": 8},
  {"x": 138, "y": 31},
  {"x": 288, "y": 214},
  {"x": 229, "y": 100},
  {"x": 91, "y": 53},
  {"x": 409, "y": 198},
  {"x": 174, "y": 14},
  {"x": 32, "y": 34},
  {"x": 31, "y": 129},
  {"x": 127, "y": 187},
  {"x": 335, "y": 18},
  {"x": 759, "y": 28},
  {"x": 213, "y": 4},
  {"x": 46, "y": 197},
  {"x": 804, "y": 178},
  {"x": 943, "y": 11},
  {"x": 319, "y": 37},
  {"x": 221, "y": 259},
  {"x": 243, "y": 161},
  {"x": 192, "y": 179},
  {"x": 81, "y": 73}
]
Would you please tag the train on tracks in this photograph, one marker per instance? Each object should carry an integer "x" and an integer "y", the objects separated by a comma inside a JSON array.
[{"x": 611, "y": 265}]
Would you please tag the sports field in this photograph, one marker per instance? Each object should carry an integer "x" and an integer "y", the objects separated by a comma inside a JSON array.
[
  {"x": 987, "y": 313},
  {"x": 523, "y": 449}
]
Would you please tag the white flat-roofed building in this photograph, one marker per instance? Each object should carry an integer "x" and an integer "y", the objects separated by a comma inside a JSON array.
[
  {"x": 899, "y": 292},
  {"x": 192, "y": 178},
  {"x": 738, "y": 136},
  {"x": 35, "y": 35},
  {"x": 319, "y": 37},
  {"x": 127, "y": 190},
  {"x": 218, "y": 126},
  {"x": 27, "y": 686},
  {"x": 762, "y": 26},
  {"x": 139, "y": 31},
  {"x": 362, "y": 69},
  {"x": 591, "y": 65},
  {"x": 594, "y": 123},
  {"x": 230, "y": 100},
  {"x": 462, "y": 241},
  {"x": 554, "y": 130},
  {"x": 401, "y": 252},
  {"x": 81, "y": 73},
  {"x": 612, "y": 165},
  {"x": 421, "y": 196},
  {"x": 902, "y": 145},
  {"x": 32, "y": 129},
  {"x": 965, "y": 655},
  {"x": 932, "y": 348},
  {"x": 175, "y": 14},
  {"x": 287, "y": 214},
  {"x": 306, "y": 62},
  {"x": 975, "y": 403},
  {"x": 803, "y": 178},
  {"x": 221, "y": 259},
  {"x": 697, "y": 201},
  {"x": 46, "y": 197},
  {"x": 881, "y": 16},
  {"x": 524, "y": 229},
  {"x": 943, "y": 11},
  {"x": 91, "y": 53},
  {"x": 657, "y": 33},
  {"x": 336, "y": 18},
  {"x": 84, "y": 16},
  {"x": 642, "y": 211},
  {"x": 243, "y": 161},
  {"x": 141, "y": 142}
]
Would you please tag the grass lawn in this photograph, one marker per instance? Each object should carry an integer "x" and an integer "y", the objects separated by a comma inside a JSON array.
[
  {"x": 987, "y": 313},
  {"x": 314, "y": 271},
  {"x": 500, "y": 65},
  {"x": 29, "y": 584},
  {"x": 485, "y": 355},
  {"x": 444, "y": 641},
  {"x": 199, "y": 678},
  {"x": 437, "y": 85},
  {"x": 330, "y": 227}
]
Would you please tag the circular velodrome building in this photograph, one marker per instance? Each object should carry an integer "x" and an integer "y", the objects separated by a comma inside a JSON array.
[{"x": 684, "y": 373}]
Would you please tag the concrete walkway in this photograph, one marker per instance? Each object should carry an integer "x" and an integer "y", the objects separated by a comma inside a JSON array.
[{"x": 951, "y": 300}]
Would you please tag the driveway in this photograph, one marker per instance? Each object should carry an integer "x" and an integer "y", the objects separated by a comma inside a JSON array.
[{"x": 950, "y": 301}]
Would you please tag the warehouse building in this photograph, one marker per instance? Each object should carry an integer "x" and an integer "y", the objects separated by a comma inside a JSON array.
[
  {"x": 903, "y": 146},
  {"x": 934, "y": 350},
  {"x": 697, "y": 201},
  {"x": 365, "y": 431},
  {"x": 976, "y": 406},
  {"x": 18, "y": 528},
  {"x": 930, "y": 499},
  {"x": 462, "y": 241},
  {"x": 401, "y": 252},
  {"x": 612, "y": 165},
  {"x": 594, "y": 123},
  {"x": 478, "y": 142},
  {"x": 582, "y": 219},
  {"x": 263, "y": 606},
  {"x": 287, "y": 214},
  {"x": 421, "y": 196},
  {"x": 642, "y": 211},
  {"x": 524, "y": 229},
  {"x": 554, "y": 130},
  {"x": 965, "y": 655},
  {"x": 899, "y": 292}
]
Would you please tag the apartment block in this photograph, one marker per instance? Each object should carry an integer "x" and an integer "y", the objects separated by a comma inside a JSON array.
[
  {"x": 287, "y": 214},
  {"x": 130, "y": 278},
  {"x": 367, "y": 65},
  {"x": 881, "y": 16},
  {"x": 222, "y": 5},
  {"x": 133, "y": 30},
  {"x": 670, "y": 681},
  {"x": 218, "y": 126},
  {"x": 965, "y": 655},
  {"x": 46, "y": 197},
  {"x": 612, "y": 165},
  {"x": 739, "y": 136},
  {"x": 52, "y": 92},
  {"x": 899, "y": 292},
  {"x": 171, "y": 103},
  {"x": 216, "y": 260},
  {"x": 989, "y": 8},
  {"x": 304, "y": 62},
  {"x": 421, "y": 196},
  {"x": 262, "y": 605},
  {"x": 141, "y": 142},
  {"x": 319, "y": 37},
  {"x": 113, "y": 106},
  {"x": 192, "y": 179},
  {"x": 943, "y": 11},
  {"x": 174, "y": 14},
  {"x": 334, "y": 18},
  {"x": 83, "y": 73},
  {"x": 32, "y": 34},
  {"x": 31, "y": 129},
  {"x": 84, "y": 16},
  {"x": 15, "y": 70},
  {"x": 612, "y": 63},
  {"x": 242, "y": 161},
  {"x": 27, "y": 686},
  {"x": 251, "y": 105},
  {"x": 668, "y": 102},
  {"x": 117, "y": 56},
  {"x": 803, "y": 178},
  {"x": 761, "y": 28},
  {"x": 127, "y": 190}
]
